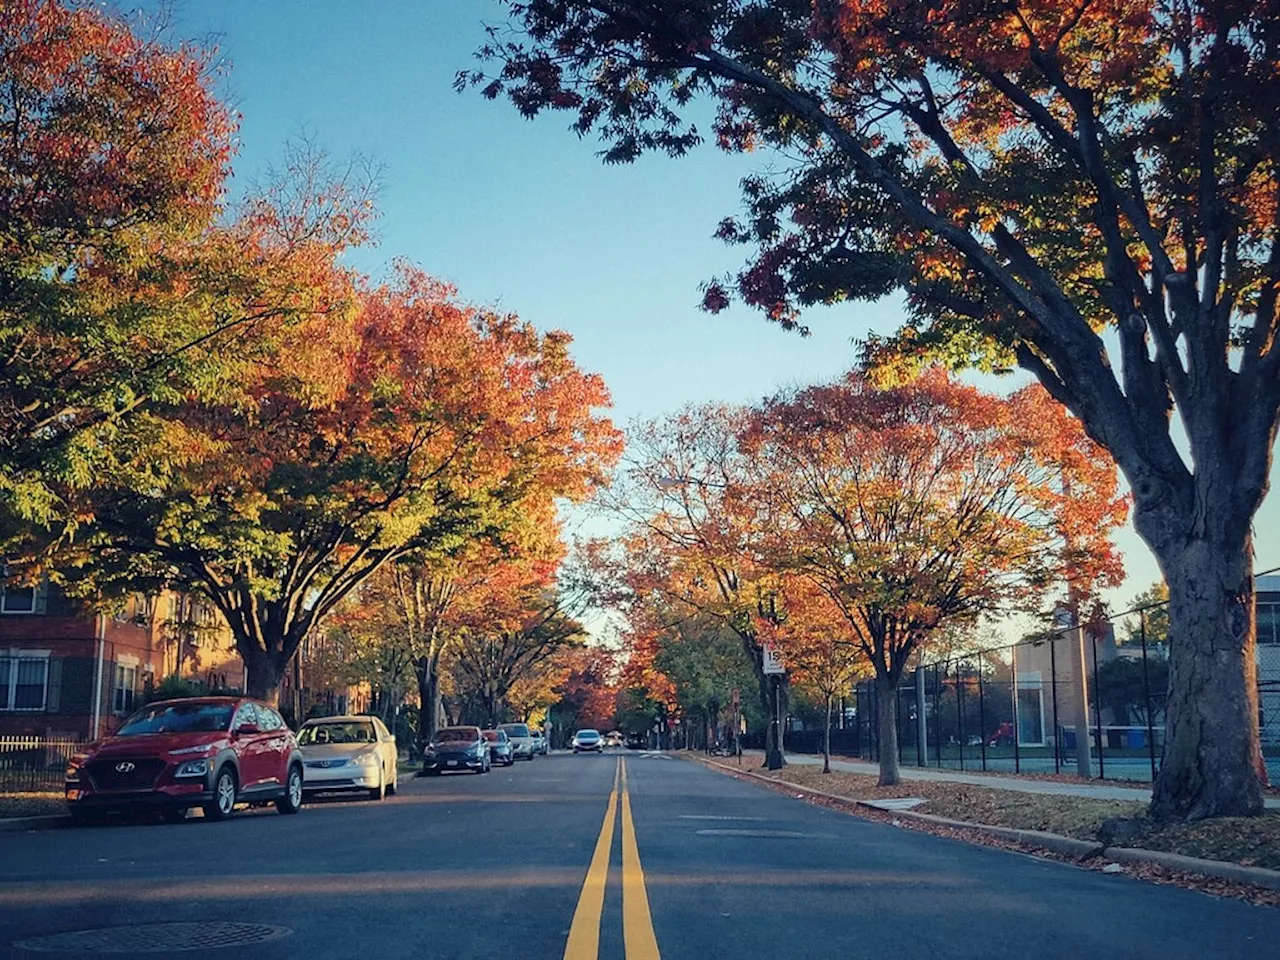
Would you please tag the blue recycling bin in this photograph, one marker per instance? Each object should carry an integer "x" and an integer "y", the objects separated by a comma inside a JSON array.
[{"x": 1137, "y": 738}]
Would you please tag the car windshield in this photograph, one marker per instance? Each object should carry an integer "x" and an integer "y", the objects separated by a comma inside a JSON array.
[
  {"x": 178, "y": 718},
  {"x": 495, "y": 736},
  {"x": 588, "y": 734},
  {"x": 455, "y": 735},
  {"x": 349, "y": 732},
  {"x": 516, "y": 729}
]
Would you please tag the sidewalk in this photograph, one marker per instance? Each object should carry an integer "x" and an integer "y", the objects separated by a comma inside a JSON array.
[{"x": 1100, "y": 791}]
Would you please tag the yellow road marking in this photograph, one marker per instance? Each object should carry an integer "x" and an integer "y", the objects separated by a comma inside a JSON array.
[
  {"x": 584, "y": 932},
  {"x": 637, "y": 925}
]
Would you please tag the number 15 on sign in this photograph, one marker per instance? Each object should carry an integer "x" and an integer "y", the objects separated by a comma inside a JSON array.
[{"x": 773, "y": 661}]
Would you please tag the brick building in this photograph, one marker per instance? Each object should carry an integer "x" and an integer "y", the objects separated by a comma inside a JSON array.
[{"x": 66, "y": 671}]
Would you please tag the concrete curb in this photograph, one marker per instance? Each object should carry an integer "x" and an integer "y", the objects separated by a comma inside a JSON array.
[
  {"x": 1221, "y": 869},
  {"x": 44, "y": 822},
  {"x": 1066, "y": 846}
]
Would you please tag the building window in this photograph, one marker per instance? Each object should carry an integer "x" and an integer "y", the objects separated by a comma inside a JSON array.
[
  {"x": 24, "y": 682},
  {"x": 126, "y": 683},
  {"x": 1269, "y": 623}
]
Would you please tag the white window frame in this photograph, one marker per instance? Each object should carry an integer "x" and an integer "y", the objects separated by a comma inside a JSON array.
[
  {"x": 9, "y": 692},
  {"x": 131, "y": 665}
]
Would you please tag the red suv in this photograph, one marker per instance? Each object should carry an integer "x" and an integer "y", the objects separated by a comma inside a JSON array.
[{"x": 172, "y": 755}]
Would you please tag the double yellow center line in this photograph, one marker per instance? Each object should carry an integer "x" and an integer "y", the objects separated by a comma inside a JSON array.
[{"x": 637, "y": 924}]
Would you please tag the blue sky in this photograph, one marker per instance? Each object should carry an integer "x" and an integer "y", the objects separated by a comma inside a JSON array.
[{"x": 523, "y": 215}]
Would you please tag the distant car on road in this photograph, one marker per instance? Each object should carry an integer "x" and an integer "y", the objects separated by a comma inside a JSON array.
[
  {"x": 539, "y": 742},
  {"x": 172, "y": 755},
  {"x": 588, "y": 740},
  {"x": 637, "y": 741},
  {"x": 348, "y": 754},
  {"x": 456, "y": 749},
  {"x": 499, "y": 747},
  {"x": 521, "y": 739}
]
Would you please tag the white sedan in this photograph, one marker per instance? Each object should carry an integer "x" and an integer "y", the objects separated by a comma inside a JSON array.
[{"x": 348, "y": 754}]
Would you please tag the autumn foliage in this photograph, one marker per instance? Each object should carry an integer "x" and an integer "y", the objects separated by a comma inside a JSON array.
[{"x": 1086, "y": 189}]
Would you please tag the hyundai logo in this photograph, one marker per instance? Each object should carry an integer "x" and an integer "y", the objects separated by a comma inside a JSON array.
[{"x": 124, "y": 766}]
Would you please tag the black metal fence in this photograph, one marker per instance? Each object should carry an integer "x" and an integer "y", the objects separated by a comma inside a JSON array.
[
  {"x": 34, "y": 764},
  {"x": 1083, "y": 700}
]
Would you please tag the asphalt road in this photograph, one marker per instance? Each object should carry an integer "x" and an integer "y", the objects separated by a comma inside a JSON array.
[{"x": 583, "y": 857}]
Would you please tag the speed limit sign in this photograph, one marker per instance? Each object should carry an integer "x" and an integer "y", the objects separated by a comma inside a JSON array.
[{"x": 773, "y": 660}]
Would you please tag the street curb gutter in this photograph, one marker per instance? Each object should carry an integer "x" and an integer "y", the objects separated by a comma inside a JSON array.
[
  {"x": 1066, "y": 846},
  {"x": 47, "y": 822}
]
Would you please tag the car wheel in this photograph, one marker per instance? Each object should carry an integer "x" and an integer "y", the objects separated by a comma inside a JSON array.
[
  {"x": 394, "y": 785},
  {"x": 291, "y": 802},
  {"x": 224, "y": 795},
  {"x": 82, "y": 818},
  {"x": 380, "y": 791},
  {"x": 173, "y": 814}
]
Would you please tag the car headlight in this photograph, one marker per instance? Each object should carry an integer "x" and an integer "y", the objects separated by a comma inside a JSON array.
[
  {"x": 367, "y": 760},
  {"x": 73, "y": 772},
  {"x": 201, "y": 748},
  {"x": 193, "y": 768}
]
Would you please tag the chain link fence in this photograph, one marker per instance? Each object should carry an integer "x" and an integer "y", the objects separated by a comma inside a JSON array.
[{"x": 1087, "y": 700}]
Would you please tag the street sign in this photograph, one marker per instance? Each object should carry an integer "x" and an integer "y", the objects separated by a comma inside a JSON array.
[{"x": 773, "y": 660}]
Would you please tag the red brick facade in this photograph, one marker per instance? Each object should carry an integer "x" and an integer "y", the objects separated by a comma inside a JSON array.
[{"x": 55, "y": 663}]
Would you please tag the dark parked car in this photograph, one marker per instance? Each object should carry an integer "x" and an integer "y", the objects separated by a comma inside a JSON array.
[
  {"x": 500, "y": 747},
  {"x": 637, "y": 741},
  {"x": 172, "y": 755},
  {"x": 457, "y": 748}
]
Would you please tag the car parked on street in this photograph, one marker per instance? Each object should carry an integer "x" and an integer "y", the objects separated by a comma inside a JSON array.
[
  {"x": 539, "y": 742},
  {"x": 172, "y": 755},
  {"x": 521, "y": 739},
  {"x": 500, "y": 748},
  {"x": 346, "y": 755},
  {"x": 457, "y": 749},
  {"x": 585, "y": 741}
]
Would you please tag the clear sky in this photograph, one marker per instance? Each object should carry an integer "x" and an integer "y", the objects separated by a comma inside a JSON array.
[{"x": 523, "y": 215}]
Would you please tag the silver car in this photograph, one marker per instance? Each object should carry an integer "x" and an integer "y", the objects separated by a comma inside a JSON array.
[
  {"x": 522, "y": 746},
  {"x": 539, "y": 742},
  {"x": 348, "y": 754}
]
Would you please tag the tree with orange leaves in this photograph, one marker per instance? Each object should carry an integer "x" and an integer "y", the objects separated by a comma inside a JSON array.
[
  {"x": 820, "y": 651},
  {"x": 694, "y": 539},
  {"x": 125, "y": 280},
  {"x": 419, "y": 425},
  {"x": 1086, "y": 189},
  {"x": 917, "y": 506}
]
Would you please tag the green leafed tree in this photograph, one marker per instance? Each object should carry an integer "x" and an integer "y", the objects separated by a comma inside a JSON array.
[{"x": 1087, "y": 190}]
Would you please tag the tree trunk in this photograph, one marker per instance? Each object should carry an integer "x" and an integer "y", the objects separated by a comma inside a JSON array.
[
  {"x": 427, "y": 670},
  {"x": 263, "y": 675},
  {"x": 1212, "y": 764},
  {"x": 887, "y": 728},
  {"x": 756, "y": 655},
  {"x": 826, "y": 740}
]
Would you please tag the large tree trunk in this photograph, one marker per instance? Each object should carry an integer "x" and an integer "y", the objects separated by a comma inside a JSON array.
[
  {"x": 1212, "y": 762},
  {"x": 263, "y": 673},
  {"x": 887, "y": 728}
]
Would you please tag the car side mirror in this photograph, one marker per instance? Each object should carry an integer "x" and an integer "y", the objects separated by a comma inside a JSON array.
[{"x": 245, "y": 729}]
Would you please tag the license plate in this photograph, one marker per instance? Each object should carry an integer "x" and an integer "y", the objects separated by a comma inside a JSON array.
[{"x": 451, "y": 763}]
